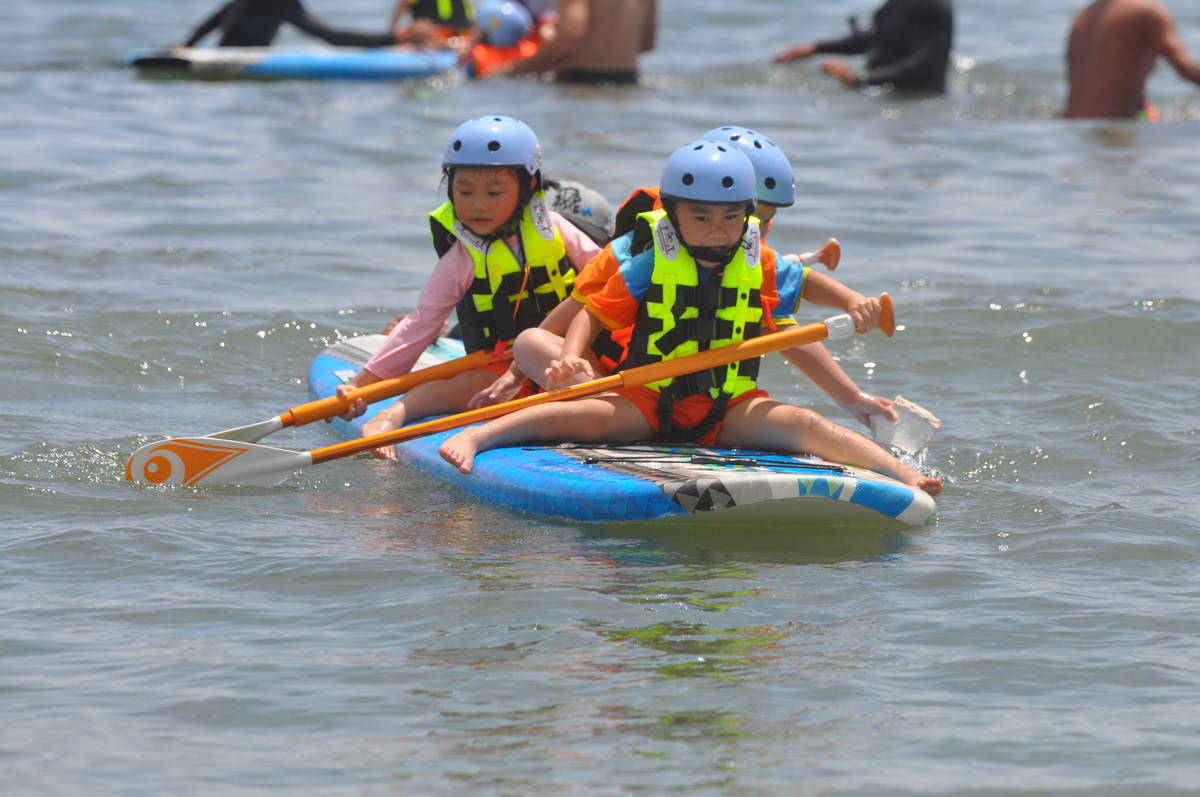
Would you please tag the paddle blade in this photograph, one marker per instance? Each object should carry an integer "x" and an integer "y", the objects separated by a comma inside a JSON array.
[
  {"x": 887, "y": 315},
  {"x": 830, "y": 253},
  {"x": 207, "y": 462},
  {"x": 910, "y": 432}
]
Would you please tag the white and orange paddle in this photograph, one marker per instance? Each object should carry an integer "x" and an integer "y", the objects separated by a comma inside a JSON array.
[
  {"x": 211, "y": 461},
  {"x": 828, "y": 254},
  {"x": 376, "y": 391}
]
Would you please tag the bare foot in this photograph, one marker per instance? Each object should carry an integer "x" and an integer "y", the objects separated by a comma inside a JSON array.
[
  {"x": 929, "y": 484},
  {"x": 914, "y": 478},
  {"x": 378, "y": 425},
  {"x": 459, "y": 450}
]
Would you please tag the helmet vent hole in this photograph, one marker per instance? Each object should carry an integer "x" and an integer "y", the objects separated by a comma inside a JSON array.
[
  {"x": 493, "y": 146},
  {"x": 688, "y": 179},
  {"x": 758, "y": 145},
  {"x": 457, "y": 145},
  {"x": 769, "y": 182},
  {"x": 727, "y": 182}
]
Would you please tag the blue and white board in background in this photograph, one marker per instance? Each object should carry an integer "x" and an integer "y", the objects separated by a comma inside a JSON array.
[
  {"x": 331, "y": 63},
  {"x": 638, "y": 483}
]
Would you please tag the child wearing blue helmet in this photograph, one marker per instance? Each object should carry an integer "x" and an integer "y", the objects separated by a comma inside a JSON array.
[
  {"x": 777, "y": 189},
  {"x": 505, "y": 32},
  {"x": 505, "y": 261},
  {"x": 701, "y": 285}
]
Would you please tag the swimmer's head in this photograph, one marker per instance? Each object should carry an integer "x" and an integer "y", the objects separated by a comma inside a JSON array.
[{"x": 503, "y": 23}]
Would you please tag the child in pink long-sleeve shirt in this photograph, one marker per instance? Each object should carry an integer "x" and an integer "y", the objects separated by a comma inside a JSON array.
[{"x": 505, "y": 263}]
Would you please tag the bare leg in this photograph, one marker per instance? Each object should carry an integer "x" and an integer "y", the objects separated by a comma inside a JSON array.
[
  {"x": 432, "y": 398},
  {"x": 607, "y": 417},
  {"x": 535, "y": 348},
  {"x": 774, "y": 426}
]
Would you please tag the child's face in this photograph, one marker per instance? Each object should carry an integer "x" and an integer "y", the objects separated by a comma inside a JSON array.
[
  {"x": 484, "y": 198},
  {"x": 716, "y": 226},
  {"x": 765, "y": 212}
]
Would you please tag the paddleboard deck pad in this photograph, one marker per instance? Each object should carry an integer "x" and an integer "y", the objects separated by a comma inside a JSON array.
[
  {"x": 665, "y": 484},
  {"x": 344, "y": 63}
]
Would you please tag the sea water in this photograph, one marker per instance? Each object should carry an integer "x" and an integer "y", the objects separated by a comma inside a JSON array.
[{"x": 173, "y": 254}]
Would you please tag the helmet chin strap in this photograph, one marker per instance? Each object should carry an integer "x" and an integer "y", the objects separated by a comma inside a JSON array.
[{"x": 508, "y": 228}]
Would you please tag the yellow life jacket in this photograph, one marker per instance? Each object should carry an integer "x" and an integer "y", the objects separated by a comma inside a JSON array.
[
  {"x": 679, "y": 316},
  {"x": 509, "y": 293}
]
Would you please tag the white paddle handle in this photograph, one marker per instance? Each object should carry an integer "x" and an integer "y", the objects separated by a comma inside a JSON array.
[{"x": 840, "y": 326}]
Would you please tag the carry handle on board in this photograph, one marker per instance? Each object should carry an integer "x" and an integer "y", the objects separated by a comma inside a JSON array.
[{"x": 206, "y": 461}]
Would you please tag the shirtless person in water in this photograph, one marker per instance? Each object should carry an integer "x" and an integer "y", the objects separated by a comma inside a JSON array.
[
  {"x": 1112, "y": 49},
  {"x": 595, "y": 41}
]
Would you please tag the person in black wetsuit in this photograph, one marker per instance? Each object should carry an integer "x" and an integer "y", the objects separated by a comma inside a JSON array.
[
  {"x": 254, "y": 23},
  {"x": 907, "y": 47}
]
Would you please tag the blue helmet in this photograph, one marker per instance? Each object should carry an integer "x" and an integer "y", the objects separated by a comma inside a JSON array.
[
  {"x": 503, "y": 23},
  {"x": 713, "y": 172},
  {"x": 776, "y": 181},
  {"x": 494, "y": 141}
]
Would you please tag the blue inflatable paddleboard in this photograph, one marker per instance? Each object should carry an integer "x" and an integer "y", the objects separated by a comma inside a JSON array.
[
  {"x": 331, "y": 63},
  {"x": 639, "y": 483}
]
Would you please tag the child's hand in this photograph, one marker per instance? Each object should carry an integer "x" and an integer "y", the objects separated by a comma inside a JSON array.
[
  {"x": 503, "y": 389},
  {"x": 864, "y": 405},
  {"x": 356, "y": 408},
  {"x": 865, "y": 311},
  {"x": 562, "y": 372}
]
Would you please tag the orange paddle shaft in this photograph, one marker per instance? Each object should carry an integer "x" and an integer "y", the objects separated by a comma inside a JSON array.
[{"x": 386, "y": 388}]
